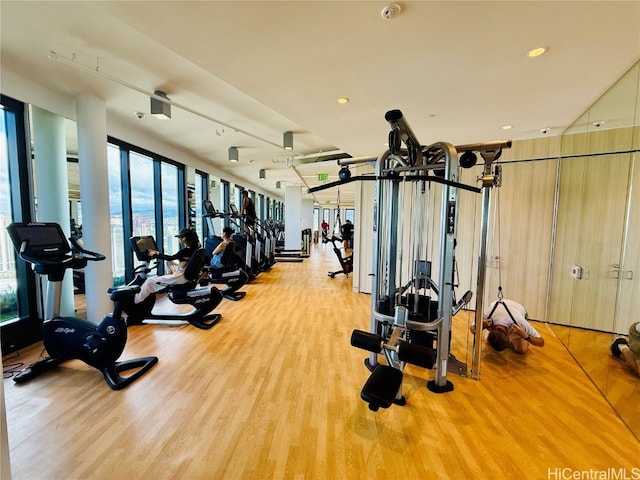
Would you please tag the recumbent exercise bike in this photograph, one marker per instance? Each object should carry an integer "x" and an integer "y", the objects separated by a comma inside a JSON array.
[
  {"x": 201, "y": 300},
  {"x": 65, "y": 338}
]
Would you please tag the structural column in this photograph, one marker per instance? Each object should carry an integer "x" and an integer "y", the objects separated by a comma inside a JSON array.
[
  {"x": 293, "y": 218},
  {"x": 52, "y": 185},
  {"x": 91, "y": 120}
]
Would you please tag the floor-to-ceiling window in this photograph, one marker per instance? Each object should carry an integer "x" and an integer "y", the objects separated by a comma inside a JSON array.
[
  {"x": 19, "y": 322},
  {"x": 147, "y": 197},
  {"x": 8, "y": 274},
  {"x": 116, "y": 217},
  {"x": 143, "y": 200},
  {"x": 237, "y": 197},
  {"x": 170, "y": 205},
  {"x": 225, "y": 196},
  {"x": 326, "y": 215},
  {"x": 261, "y": 208},
  {"x": 350, "y": 214}
]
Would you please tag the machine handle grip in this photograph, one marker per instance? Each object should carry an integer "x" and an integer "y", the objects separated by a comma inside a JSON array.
[
  {"x": 66, "y": 262},
  {"x": 87, "y": 254}
]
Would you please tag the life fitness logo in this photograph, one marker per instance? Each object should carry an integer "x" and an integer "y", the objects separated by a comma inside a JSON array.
[{"x": 65, "y": 330}]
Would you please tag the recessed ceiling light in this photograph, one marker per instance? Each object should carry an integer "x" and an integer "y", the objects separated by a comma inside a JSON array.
[
  {"x": 507, "y": 127},
  {"x": 343, "y": 100},
  {"x": 536, "y": 52}
]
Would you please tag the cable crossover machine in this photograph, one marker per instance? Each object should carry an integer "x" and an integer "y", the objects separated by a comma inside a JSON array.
[{"x": 411, "y": 314}]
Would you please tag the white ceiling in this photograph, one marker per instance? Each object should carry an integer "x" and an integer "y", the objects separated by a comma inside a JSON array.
[{"x": 245, "y": 72}]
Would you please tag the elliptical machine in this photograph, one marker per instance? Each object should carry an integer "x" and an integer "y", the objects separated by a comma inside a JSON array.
[{"x": 65, "y": 338}]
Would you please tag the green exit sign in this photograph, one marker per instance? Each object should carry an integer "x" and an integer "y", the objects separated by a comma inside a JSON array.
[
  {"x": 322, "y": 177},
  {"x": 327, "y": 201}
]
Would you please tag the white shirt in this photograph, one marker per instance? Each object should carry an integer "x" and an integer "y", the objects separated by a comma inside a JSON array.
[{"x": 501, "y": 316}]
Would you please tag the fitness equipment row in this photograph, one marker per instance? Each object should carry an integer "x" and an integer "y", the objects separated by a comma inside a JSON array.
[
  {"x": 195, "y": 292},
  {"x": 254, "y": 249},
  {"x": 44, "y": 246}
]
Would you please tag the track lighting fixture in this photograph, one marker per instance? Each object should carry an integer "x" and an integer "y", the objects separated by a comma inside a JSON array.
[
  {"x": 233, "y": 154},
  {"x": 287, "y": 141},
  {"x": 159, "y": 108}
]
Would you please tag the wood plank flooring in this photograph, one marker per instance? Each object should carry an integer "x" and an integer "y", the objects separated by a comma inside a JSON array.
[{"x": 273, "y": 391}]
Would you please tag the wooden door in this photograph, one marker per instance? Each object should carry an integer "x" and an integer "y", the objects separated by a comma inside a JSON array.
[{"x": 629, "y": 292}]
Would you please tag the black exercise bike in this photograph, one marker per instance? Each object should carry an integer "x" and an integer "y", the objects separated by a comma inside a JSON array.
[{"x": 65, "y": 338}]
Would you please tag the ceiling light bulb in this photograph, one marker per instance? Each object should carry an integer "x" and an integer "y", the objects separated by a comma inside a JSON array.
[
  {"x": 343, "y": 100},
  {"x": 536, "y": 52},
  {"x": 507, "y": 127}
]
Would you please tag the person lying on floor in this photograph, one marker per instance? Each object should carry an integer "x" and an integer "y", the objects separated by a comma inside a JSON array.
[
  {"x": 508, "y": 325},
  {"x": 189, "y": 240}
]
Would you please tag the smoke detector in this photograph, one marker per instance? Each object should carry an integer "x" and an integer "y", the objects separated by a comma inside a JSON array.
[{"x": 391, "y": 11}]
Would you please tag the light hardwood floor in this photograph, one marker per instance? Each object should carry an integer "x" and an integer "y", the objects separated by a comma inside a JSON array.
[{"x": 273, "y": 391}]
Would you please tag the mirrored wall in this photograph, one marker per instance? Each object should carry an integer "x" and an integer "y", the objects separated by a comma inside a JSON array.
[{"x": 595, "y": 279}]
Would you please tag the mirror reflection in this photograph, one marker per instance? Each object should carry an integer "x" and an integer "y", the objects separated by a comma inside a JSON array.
[{"x": 595, "y": 292}]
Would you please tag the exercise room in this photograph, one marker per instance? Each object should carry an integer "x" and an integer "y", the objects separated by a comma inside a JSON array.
[{"x": 320, "y": 240}]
